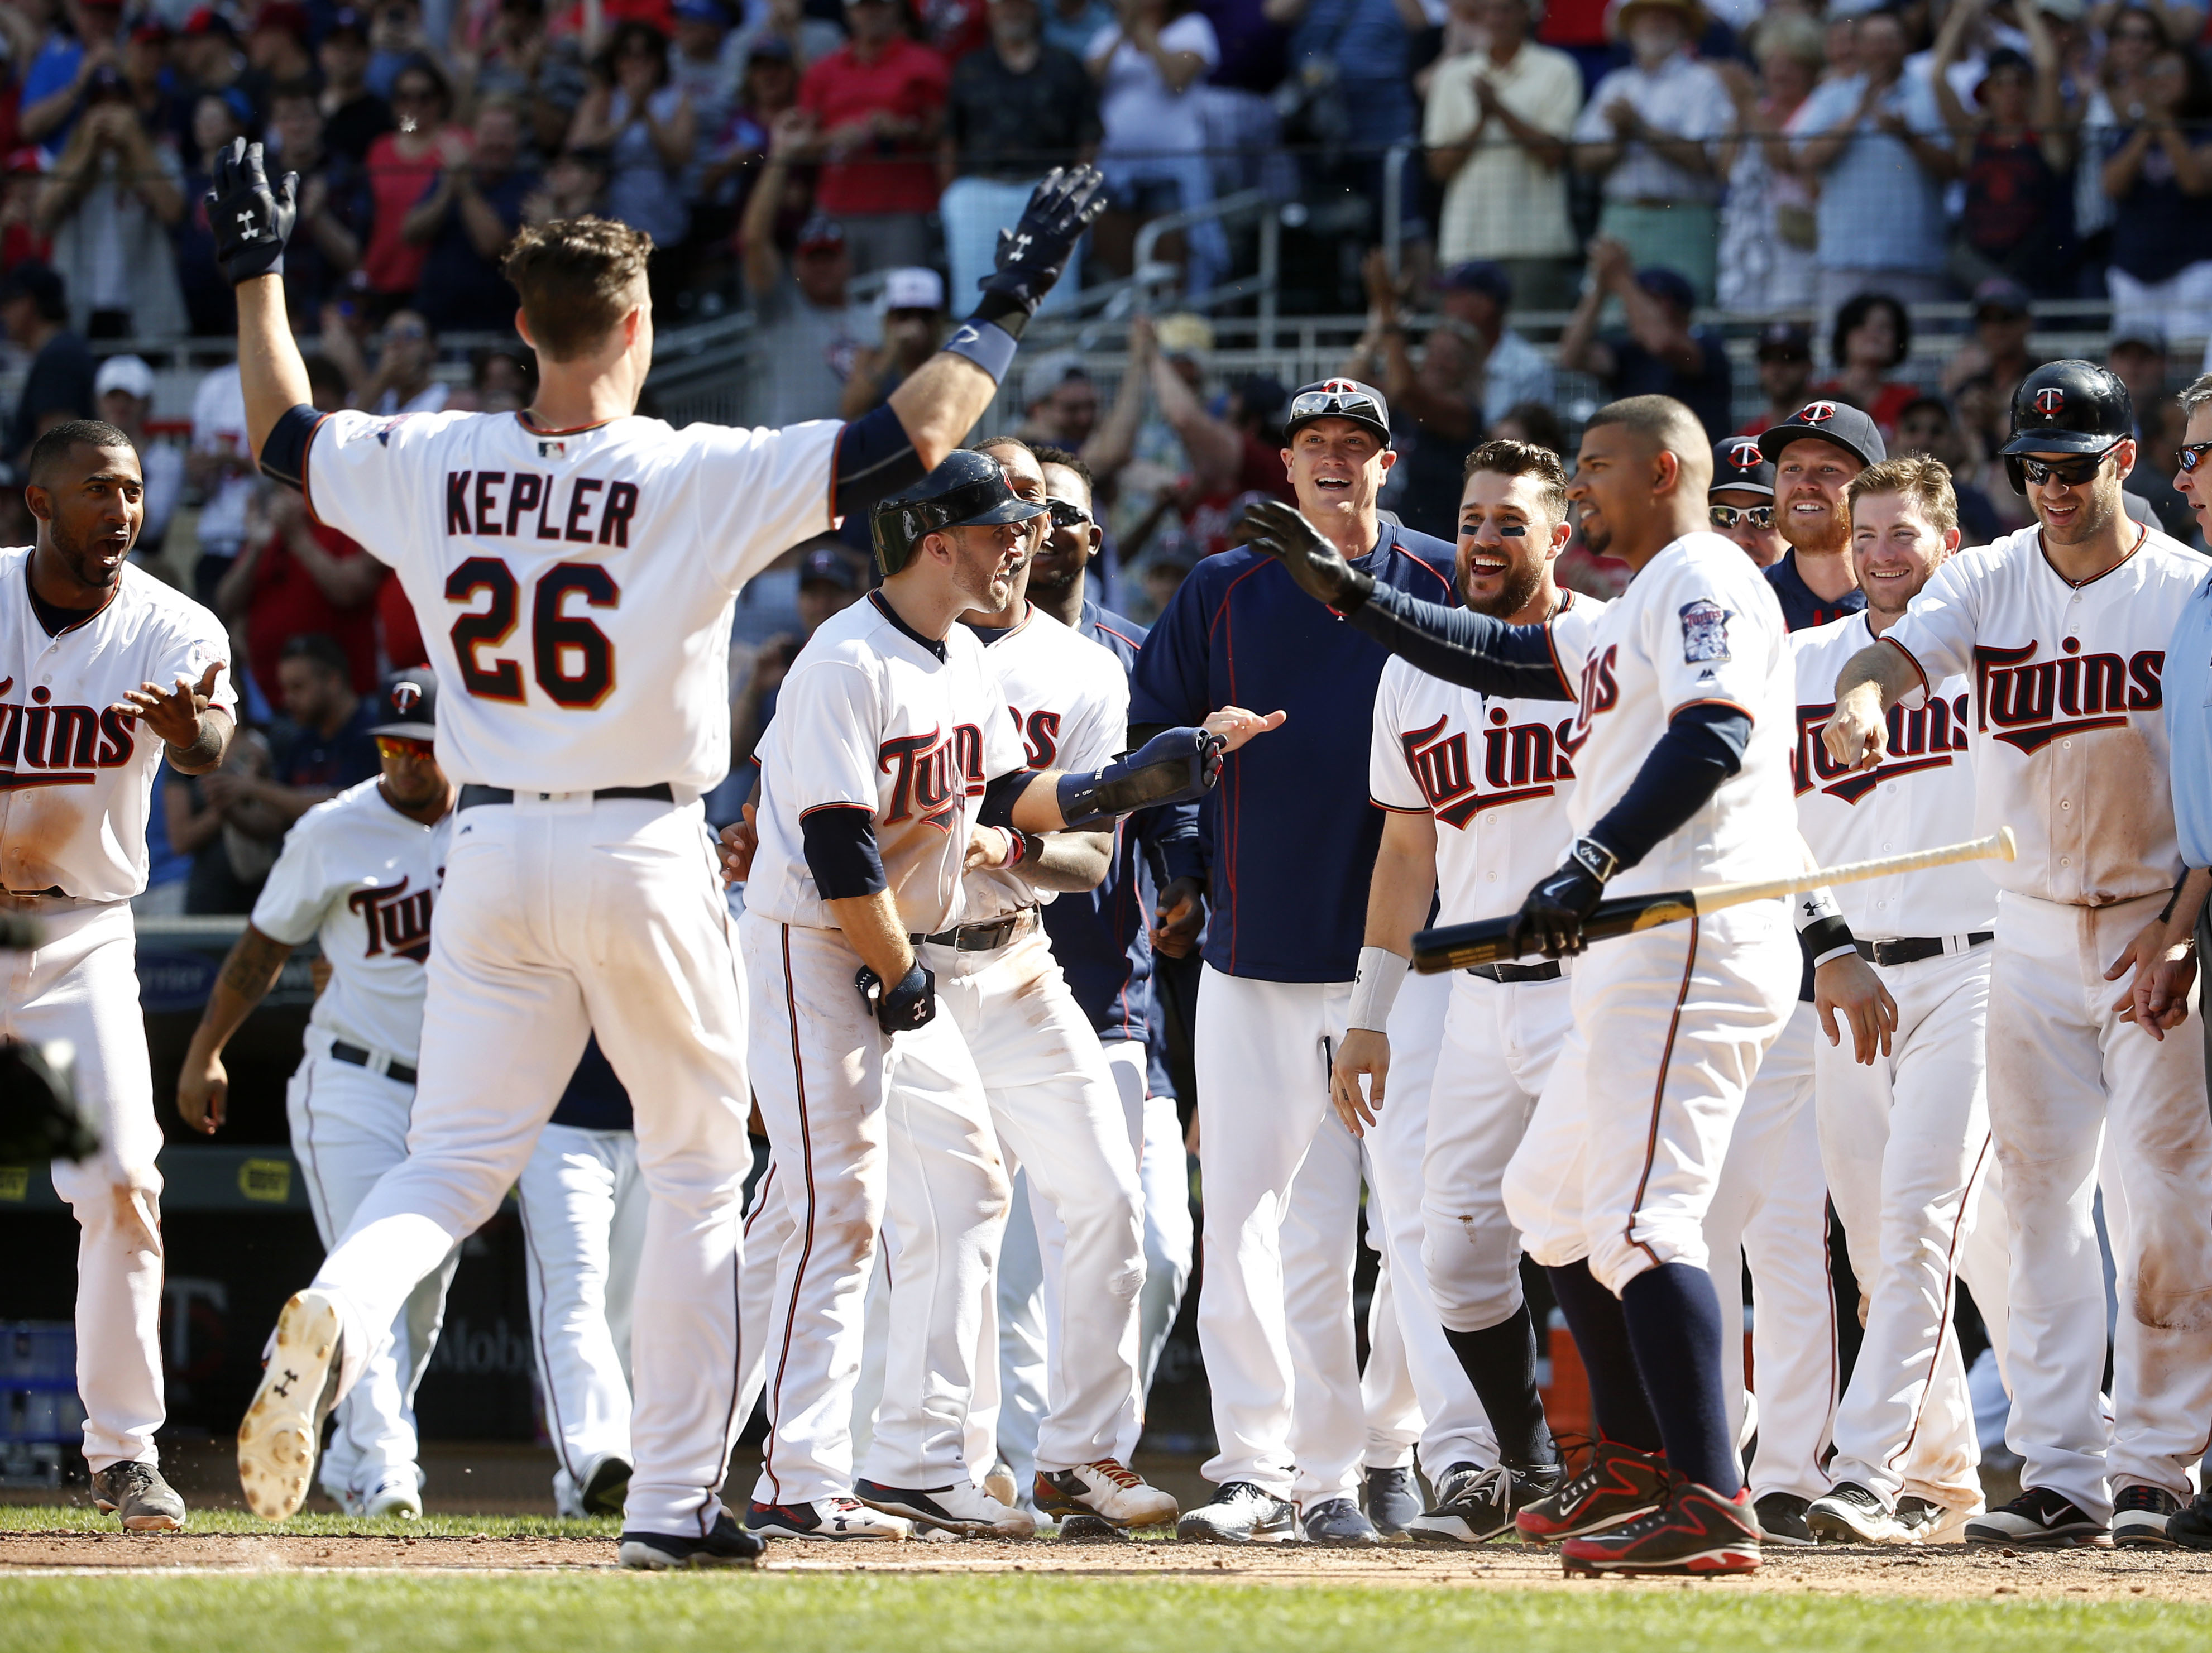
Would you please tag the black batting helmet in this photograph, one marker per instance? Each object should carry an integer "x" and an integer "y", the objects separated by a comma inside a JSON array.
[
  {"x": 2070, "y": 407},
  {"x": 968, "y": 490}
]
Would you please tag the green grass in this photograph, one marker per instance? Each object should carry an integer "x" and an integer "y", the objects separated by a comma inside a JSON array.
[
  {"x": 671, "y": 1613},
  {"x": 83, "y": 1518}
]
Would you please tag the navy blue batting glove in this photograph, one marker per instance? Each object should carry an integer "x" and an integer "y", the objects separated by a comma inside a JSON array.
[
  {"x": 250, "y": 219},
  {"x": 910, "y": 1004},
  {"x": 1031, "y": 255},
  {"x": 1550, "y": 920}
]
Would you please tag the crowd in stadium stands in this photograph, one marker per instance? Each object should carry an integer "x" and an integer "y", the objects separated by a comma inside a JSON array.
[{"x": 1647, "y": 173}]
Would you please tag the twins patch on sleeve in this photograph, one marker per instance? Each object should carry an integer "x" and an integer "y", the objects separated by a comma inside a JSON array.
[{"x": 1705, "y": 632}]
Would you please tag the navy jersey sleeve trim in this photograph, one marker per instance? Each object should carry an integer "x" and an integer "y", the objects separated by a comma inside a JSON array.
[
  {"x": 1000, "y": 794},
  {"x": 285, "y": 455},
  {"x": 1461, "y": 647},
  {"x": 841, "y": 853},
  {"x": 1703, "y": 746}
]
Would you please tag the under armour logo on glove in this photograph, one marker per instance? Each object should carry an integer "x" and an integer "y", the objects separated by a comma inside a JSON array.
[
  {"x": 1031, "y": 254},
  {"x": 252, "y": 221}
]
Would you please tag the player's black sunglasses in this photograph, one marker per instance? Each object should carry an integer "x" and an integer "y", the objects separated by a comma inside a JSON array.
[
  {"x": 1067, "y": 515},
  {"x": 1727, "y": 516},
  {"x": 2190, "y": 455},
  {"x": 2072, "y": 473}
]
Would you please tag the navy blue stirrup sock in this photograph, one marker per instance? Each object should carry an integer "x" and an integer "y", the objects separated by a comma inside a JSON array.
[
  {"x": 1500, "y": 1361},
  {"x": 1618, "y": 1404},
  {"x": 1675, "y": 1327}
]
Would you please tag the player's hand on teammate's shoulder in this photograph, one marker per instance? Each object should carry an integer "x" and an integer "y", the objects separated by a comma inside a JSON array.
[
  {"x": 1363, "y": 1051},
  {"x": 174, "y": 714},
  {"x": 739, "y": 840},
  {"x": 2156, "y": 999},
  {"x": 1181, "y": 916},
  {"x": 1232, "y": 726},
  {"x": 204, "y": 1095},
  {"x": 1848, "y": 984},
  {"x": 1280, "y": 531}
]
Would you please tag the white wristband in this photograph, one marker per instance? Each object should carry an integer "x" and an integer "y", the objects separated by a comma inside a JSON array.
[
  {"x": 1813, "y": 905},
  {"x": 1376, "y": 987}
]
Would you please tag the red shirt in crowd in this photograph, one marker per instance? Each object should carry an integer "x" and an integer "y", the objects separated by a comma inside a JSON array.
[
  {"x": 395, "y": 617},
  {"x": 392, "y": 262},
  {"x": 905, "y": 81},
  {"x": 286, "y": 602}
]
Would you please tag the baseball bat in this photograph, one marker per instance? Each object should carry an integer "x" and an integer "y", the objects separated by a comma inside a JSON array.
[{"x": 1461, "y": 946}]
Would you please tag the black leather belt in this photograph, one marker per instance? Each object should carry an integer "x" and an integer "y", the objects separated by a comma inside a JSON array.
[
  {"x": 358, "y": 1058},
  {"x": 472, "y": 796},
  {"x": 1910, "y": 950},
  {"x": 1547, "y": 971},
  {"x": 986, "y": 937}
]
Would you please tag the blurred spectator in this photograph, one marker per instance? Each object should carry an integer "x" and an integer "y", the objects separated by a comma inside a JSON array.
[
  {"x": 1531, "y": 422},
  {"x": 1494, "y": 131},
  {"x": 576, "y": 184},
  {"x": 2136, "y": 355},
  {"x": 829, "y": 582},
  {"x": 874, "y": 108},
  {"x": 1785, "y": 375},
  {"x": 1873, "y": 139},
  {"x": 276, "y": 53},
  {"x": 501, "y": 379},
  {"x": 1473, "y": 298},
  {"x": 2017, "y": 156},
  {"x": 513, "y": 56},
  {"x": 1255, "y": 48},
  {"x": 1059, "y": 401},
  {"x": 221, "y": 469},
  {"x": 1436, "y": 405},
  {"x": 209, "y": 63},
  {"x": 1999, "y": 345},
  {"x": 403, "y": 167},
  {"x": 56, "y": 82},
  {"x": 295, "y": 576},
  {"x": 218, "y": 121},
  {"x": 124, "y": 390},
  {"x": 706, "y": 64},
  {"x": 646, "y": 126},
  {"x": 21, "y": 241},
  {"x": 2135, "y": 37},
  {"x": 1871, "y": 338},
  {"x": 231, "y": 835},
  {"x": 1365, "y": 49},
  {"x": 1073, "y": 25},
  {"x": 1924, "y": 425},
  {"x": 913, "y": 327},
  {"x": 2163, "y": 424},
  {"x": 2157, "y": 177},
  {"x": 354, "y": 116},
  {"x": 1645, "y": 130},
  {"x": 1740, "y": 502},
  {"x": 326, "y": 240},
  {"x": 807, "y": 38},
  {"x": 1767, "y": 232},
  {"x": 108, "y": 204},
  {"x": 1661, "y": 354},
  {"x": 1236, "y": 453},
  {"x": 1149, "y": 66},
  {"x": 327, "y": 746},
  {"x": 1016, "y": 109},
  {"x": 396, "y": 40},
  {"x": 169, "y": 872},
  {"x": 58, "y": 386},
  {"x": 468, "y": 218},
  {"x": 1981, "y": 419},
  {"x": 404, "y": 378},
  {"x": 151, "y": 81},
  {"x": 809, "y": 331}
]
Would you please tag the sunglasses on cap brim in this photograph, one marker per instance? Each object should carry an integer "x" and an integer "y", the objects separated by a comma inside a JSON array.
[{"x": 1320, "y": 405}]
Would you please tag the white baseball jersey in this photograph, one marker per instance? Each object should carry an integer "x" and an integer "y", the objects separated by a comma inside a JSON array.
[
  {"x": 2068, "y": 729},
  {"x": 1494, "y": 772},
  {"x": 575, "y": 587},
  {"x": 76, "y": 775},
  {"x": 361, "y": 878},
  {"x": 1069, "y": 701},
  {"x": 872, "y": 716},
  {"x": 1922, "y": 796},
  {"x": 1698, "y": 625}
]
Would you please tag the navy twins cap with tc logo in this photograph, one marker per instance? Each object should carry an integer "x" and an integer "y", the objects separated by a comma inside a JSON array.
[
  {"x": 1740, "y": 465},
  {"x": 1828, "y": 421},
  {"x": 410, "y": 705}
]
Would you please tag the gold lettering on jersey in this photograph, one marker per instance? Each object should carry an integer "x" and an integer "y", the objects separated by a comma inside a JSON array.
[
  {"x": 398, "y": 921},
  {"x": 2031, "y": 702},
  {"x": 1924, "y": 739},
  {"x": 526, "y": 505},
  {"x": 47, "y": 746}
]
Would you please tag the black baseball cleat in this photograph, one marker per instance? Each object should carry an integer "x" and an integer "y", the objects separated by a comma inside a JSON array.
[
  {"x": 1392, "y": 1499},
  {"x": 727, "y": 1544},
  {"x": 607, "y": 1487},
  {"x": 1620, "y": 1484},
  {"x": 2040, "y": 1519},
  {"x": 1475, "y": 1506},
  {"x": 1781, "y": 1518},
  {"x": 1698, "y": 1532},
  {"x": 2191, "y": 1530},
  {"x": 1848, "y": 1513}
]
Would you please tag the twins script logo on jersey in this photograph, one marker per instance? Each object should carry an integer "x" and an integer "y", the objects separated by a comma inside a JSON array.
[
  {"x": 1600, "y": 694},
  {"x": 1519, "y": 760},
  {"x": 1925, "y": 739},
  {"x": 398, "y": 921},
  {"x": 930, "y": 775},
  {"x": 45, "y": 745},
  {"x": 2030, "y": 706},
  {"x": 1040, "y": 733}
]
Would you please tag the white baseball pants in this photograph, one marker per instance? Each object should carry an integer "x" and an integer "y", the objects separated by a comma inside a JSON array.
[
  {"x": 2065, "y": 1075},
  {"x": 583, "y": 1225},
  {"x": 1624, "y": 1150},
  {"x": 81, "y": 984},
  {"x": 1911, "y": 1169},
  {"x": 562, "y": 916},
  {"x": 1771, "y": 1211},
  {"x": 349, "y": 1127},
  {"x": 863, "y": 1154}
]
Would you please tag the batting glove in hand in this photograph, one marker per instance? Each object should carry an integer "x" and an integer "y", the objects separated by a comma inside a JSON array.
[
  {"x": 1031, "y": 254},
  {"x": 1319, "y": 567},
  {"x": 911, "y": 1003},
  {"x": 1550, "y": 920},
  {"x": 1176, "y": 766},
  {"x": 251, "y": 220}
]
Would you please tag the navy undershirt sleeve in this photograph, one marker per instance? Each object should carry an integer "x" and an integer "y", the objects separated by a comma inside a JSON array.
[
  {"x": 841, "y": 853},
  {"x": 1703, "y": 746},
  {"x": 1461, "y": 647},
  {"x": 875, "y": 460},
  {"x": 285, "y": 455},
  {"x": 999, "y": 797}
]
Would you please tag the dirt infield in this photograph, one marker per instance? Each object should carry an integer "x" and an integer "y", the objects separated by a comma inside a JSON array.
[{"x": 1947, "y": 1574}]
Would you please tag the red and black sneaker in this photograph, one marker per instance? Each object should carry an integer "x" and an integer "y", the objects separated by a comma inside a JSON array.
[
  {"x": 1697, "y": 1531},
  {"x": 1619, "y": 1485}
]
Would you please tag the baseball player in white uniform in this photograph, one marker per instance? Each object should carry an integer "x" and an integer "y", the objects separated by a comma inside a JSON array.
[
  {"x": 102, "y": 668},
  {"x": 574, "y": 568},
  {"x": 1477, "y": 789},
  {"x": 1680, "y": 747},
  {"x": 892, "y": 769},
  {"x": 2063, "y": 627},
  {"x": 359, "y": 877},
  {"x": 1905, "y": 1137}
]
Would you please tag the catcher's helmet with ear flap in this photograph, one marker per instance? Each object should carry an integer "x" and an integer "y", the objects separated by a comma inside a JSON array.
[{"x": 969, "y": 488}]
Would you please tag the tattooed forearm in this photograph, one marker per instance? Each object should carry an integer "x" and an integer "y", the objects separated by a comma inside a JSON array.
[
  {"x": 247, "y": 975},
  {"x": 207, "y": 748}
]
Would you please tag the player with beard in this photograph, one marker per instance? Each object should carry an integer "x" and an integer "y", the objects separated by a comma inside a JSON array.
[{"x": 1815, "y": 454}]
